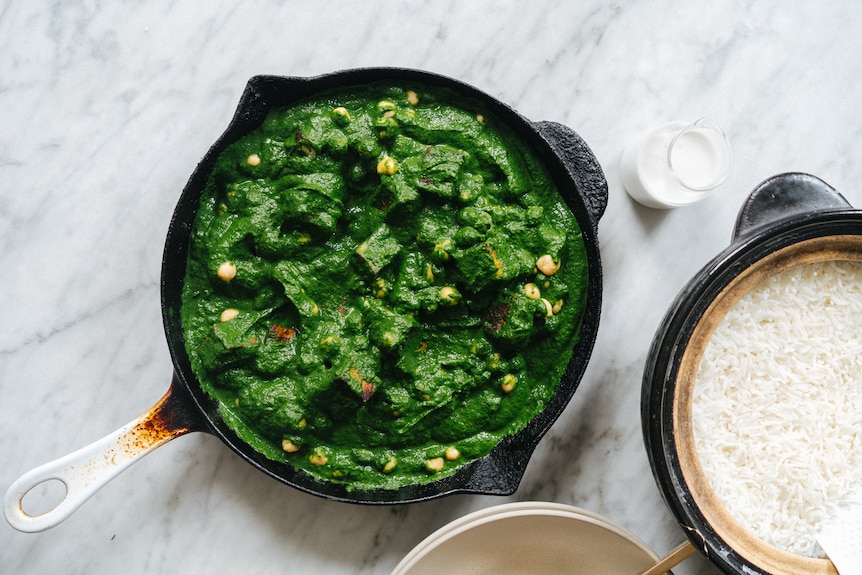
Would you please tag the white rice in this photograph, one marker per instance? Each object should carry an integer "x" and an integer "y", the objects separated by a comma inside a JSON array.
[{"x": 777, "y": 404}]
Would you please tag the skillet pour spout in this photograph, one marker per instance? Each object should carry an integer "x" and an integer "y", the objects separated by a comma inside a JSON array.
[
  {"x": 186, "y": 407},
  {"x": 788, "y": 220}
]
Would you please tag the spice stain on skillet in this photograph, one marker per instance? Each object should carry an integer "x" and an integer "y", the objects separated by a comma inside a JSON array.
[
  {"x": 161, "y": 423},
  {"x": 382, "y": 284}
]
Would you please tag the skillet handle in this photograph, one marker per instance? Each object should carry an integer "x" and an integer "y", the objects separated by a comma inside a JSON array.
[
  {"x": 90, "y": 468},
  {"x": 785, "y": 196},
  {"x": 581, "y": 165}
]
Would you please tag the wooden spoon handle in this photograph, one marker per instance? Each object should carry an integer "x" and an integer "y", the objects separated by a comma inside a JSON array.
[{"x": 674, "y": 557}]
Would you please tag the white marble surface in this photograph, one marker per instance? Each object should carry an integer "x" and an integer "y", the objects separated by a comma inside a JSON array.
[{"x": 105, "y": 108}]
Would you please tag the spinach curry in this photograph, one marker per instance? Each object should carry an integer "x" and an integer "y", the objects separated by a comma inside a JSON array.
[{"x": 382, "y": 284}]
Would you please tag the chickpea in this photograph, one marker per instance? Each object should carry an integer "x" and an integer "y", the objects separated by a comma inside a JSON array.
[
  {"x": 547, "y": 266},
  {"x": 531, "y": 290},
  {"x": 229, "y": 314},
  {"x": 318, "y": 458},
  {"x": 450, "y": 295},
  {"x": 549, "y": 309},
  {"x": 381, "y": 288},
  {"x": 329, "y": 343},
  {"x": 435, "y": 464},
  {"x": 387, "y": 166},
  {"x": 384, "y": 105},
  {"x": 412, "y": 97},
  {"x": 558, "y": 305},
  {"x": 390, "y": 465},
  {"x": 253, "y": 160},
  {"x": 508, "y": 383},
  {"x": 226, "y": 271},
  {"x": 341, "y": 115},
  {"x": 452, "y": 453},
  {"x": 481, "y": 119},
  {"x": 441, "y": 249},
  {"x": 288, "y": 446}
]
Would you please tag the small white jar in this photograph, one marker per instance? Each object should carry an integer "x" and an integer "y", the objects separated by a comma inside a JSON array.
[{"x": 676, "y": 164}]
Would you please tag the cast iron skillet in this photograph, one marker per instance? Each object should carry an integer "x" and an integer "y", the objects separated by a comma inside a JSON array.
[
  {"x": 788, "y": 220},
  {"x": 186, "y": 408}
]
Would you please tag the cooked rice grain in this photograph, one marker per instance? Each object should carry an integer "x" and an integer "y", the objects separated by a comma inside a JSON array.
[{"x": 777, "y": 407}]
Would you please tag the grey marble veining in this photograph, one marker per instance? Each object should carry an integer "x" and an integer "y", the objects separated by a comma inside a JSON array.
[{"x": 105, "y": 109}]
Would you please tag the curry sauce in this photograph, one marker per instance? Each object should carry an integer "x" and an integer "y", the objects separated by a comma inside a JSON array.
[{"x": 382, "y": 284}]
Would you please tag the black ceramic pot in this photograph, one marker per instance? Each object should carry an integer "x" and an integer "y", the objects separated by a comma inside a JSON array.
[
  {"x": 788, "y": 220},
  {"x": 186, "y": 407}
]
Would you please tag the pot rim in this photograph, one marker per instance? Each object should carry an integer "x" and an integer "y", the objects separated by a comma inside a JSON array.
[
  {"x": 685, "y": 328},
  {"x": 572, "y": 167}
]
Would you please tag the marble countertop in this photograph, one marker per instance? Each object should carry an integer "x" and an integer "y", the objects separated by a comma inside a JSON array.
[{"x": 105, "y": 109}]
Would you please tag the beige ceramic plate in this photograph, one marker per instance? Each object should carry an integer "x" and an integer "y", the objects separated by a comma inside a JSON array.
[{"x": 528, "y": 538}]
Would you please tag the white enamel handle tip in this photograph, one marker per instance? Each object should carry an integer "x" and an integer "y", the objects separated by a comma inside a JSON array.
[{"x": 87, "y": 470}]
